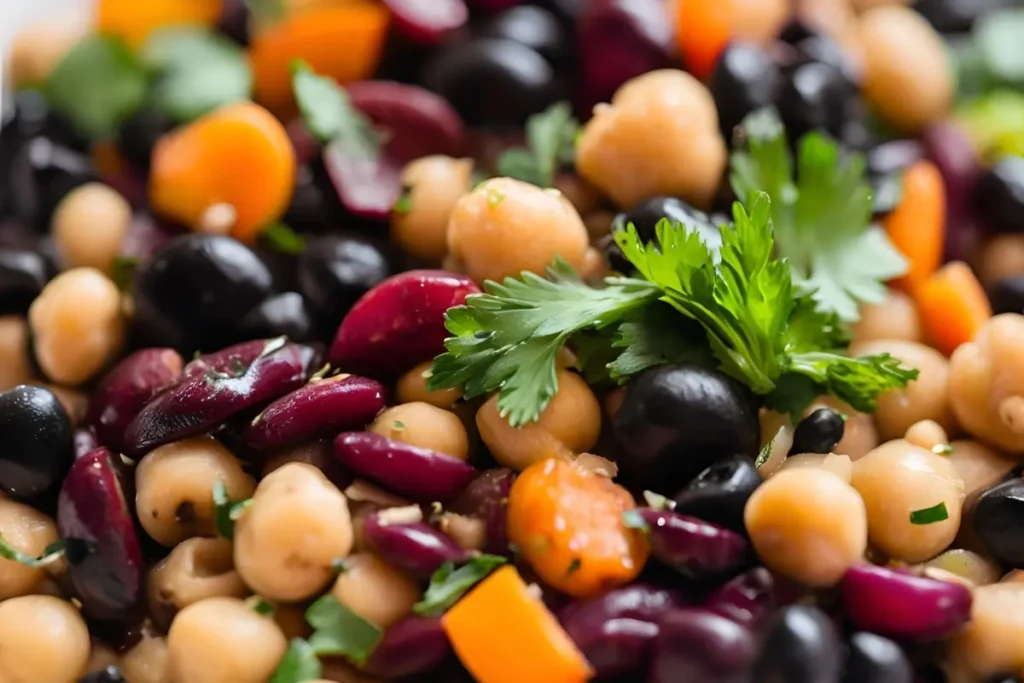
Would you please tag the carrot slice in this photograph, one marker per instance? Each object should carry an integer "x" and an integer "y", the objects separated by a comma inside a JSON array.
[
  {"x": 953, "y": 306},
  {"x": 134, "y": 20},
  {"x": 343, "y": 42},
  {"x": 568, "y": 524},
  {"x": 703, "y": 28},
  {"x": 504, "y": 634},
  {"x": 917, "y": 227}
]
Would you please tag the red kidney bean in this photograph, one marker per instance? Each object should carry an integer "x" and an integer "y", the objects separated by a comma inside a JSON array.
[
  {"x": 127, "y": 389},
  {"x": 231, "y": 360},
  {"x": 416, "y": 548},
  {"x": 639, "y": 601},
  {"x": 367, "y": 188},
  {"x": 321, "y": 408},
  {"x": 411, "y": 647},
  {"x": 901, "y": 604},
  {"x": 419, "y": 474},
  {"x": 486, "y": 498},
  {"x": 694, "y": 644},
  {"x": 615, "y": 647},
  {"x": 691, "y": 546},
  {"x": 428, "y": 21},
  {"x": 102, "y": 548},
  {"x": 746, "y": 599},
  {"x": 400, "y": 322},
  {"x": 425, "y": 122},
  {"x": 947, "y": 146},
  {"x": 204, "y": 400}
]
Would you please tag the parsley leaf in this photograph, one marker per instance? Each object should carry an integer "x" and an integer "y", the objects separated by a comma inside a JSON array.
[
  {"x": 340, "y": 631},
  {"x": 300, "y": 664},
  {"x": 50, "y": 554},
  {"x": 655, "y": 336},
  {"x": 330, "y": 116},
  {"x": 551, "y": 141},
  {"x": 448, "y": 584},
  {"x": 857, "y": 381},
  {"x": 821, "y": 216},
  {"x": 226, "y": 511}
]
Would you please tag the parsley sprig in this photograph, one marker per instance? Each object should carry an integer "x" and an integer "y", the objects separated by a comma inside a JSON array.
[{"x": 550, "y": 142}]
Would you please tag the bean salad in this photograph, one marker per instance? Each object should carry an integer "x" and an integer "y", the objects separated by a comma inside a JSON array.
[{"x": 501, "y": 341}]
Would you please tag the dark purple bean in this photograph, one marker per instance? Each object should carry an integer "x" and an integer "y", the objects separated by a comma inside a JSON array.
[
  {"x": 400, "y": 322},
  {"x": 901, "y": 604},
  {"x": 202, "y": 401},
  {"x": 615, "y": 647},
  {"x": 232, "y": 360},
  {"x": 720, "y": 492},
  {"x": 321, "y": 408},
  {"x": 23, "y": 274},
  {"x": 691, "y": 546},
  {"x": 37, "y": 441},
  {"x": 85, "y": 442},
  {"x": 746, "y": 599},
  {"x": 486, "y": 498},
  {"x": 637, "y": 601},
  {"x": 800, "y": 647},
  {"x": 428, "y": 21},
  {"x": 694, "y": 644},
  {"x": 411, "y": 647},
  {"x": 872, "y": 658},
  {"x": 127, "y": 389},
  {"x": 103, "y": 555},
  {"x": 417, "y": 473},
  {"x": 145, "y": 237},
  {"x": 422, "y": 123},
  {"x": 948, "y": 147},
  {"x": 416, "y": 548}
]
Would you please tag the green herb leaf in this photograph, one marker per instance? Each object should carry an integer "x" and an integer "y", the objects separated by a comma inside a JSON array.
[
  {"x": 330, "y": 116},
  {"x": 50, "y": 554},
  {"x": 340, "y": 631},
  {"x": 656, "y": 335},
  {"x": 199, "y": 71},
  {"x": 942, "y": 449},
  {"x": 260, "y": 605},
  {"x": 281, "y": 238},
  {"x": 936, "y": 513},
  {"x": 404, "y": 203},
  {"x": 574, "y": 566},
  {"x": 448, "y": 584},
  {"x": 98, "y": 84},
  {"x": 300, "y": 664},
  {"x": 122, "y": 272},
  {"x": 225, "y": 511},
  {"x": 632, "y": 519},
  {"x": 821, "y": 216},
  {"x": 508, "y": 337},
  {"x": 857, "y": 381},
  {"x": 550, "y": 140}
]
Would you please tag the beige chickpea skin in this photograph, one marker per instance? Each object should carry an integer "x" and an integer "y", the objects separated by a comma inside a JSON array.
[
  {"x": 88, "y": 226},
  {"x": 297, "y": 526},
  {"x": 15, "y": 367},
  {"x": 978, "y": 465},
  {"x": 42, "y": 638},
  {"x": 571, "y": 423},
  {"x": 412, "y": 387},
  {"x": 100, "y": 657},
  {"x": 224, "y": 639},
  {"x": 148, "y": 661},
  {"x": 174, "y": 484},
  {"x": 196, "y": 569},
  {"x": 37, "y": 49},
  {"x": 375, "y": 590},
  {"x": 433, "y": 185},
  {"x": 894, "y": 318},
  {"x": 505, "y": 226},
  {"x": 807, "y": 524},
  {"x": 1002, "y": 257},
  {"x": 990, "y": 643},
  {"x": 929, "y": 435},
  {"x": 839, "y": 465},
  {"x": 426, "y": 426},
  {"x": 898, "y": 479},
  {"x": 29, "y": 531}
]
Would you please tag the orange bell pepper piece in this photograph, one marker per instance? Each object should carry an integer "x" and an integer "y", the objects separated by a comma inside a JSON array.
[
  {"x": 917, "y": 227},
  {"x": 703, "y": 29},
  {"x": 953, "y": 306},
  {"x": 134, "y": 20}
]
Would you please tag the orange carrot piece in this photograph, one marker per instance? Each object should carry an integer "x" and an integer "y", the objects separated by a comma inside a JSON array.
[
  {"x": 238, "y": 155},
  {"x": 917, "y": 227},
  {"x": 953, "y": 306},
  {"x": 703, "y": 28},
  {"x": 134, "y": 20},
  {"x": 568, "y": 524},
  {"x": 342, "y": 42},
  {"x": 503, "y": 633}
]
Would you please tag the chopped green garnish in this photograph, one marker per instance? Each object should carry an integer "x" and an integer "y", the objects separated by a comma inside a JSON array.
[
  {"x": 281, "y": 238},
  {"x": 338, "y": 565},
  {"x": 574, "y": 566},
  {"x": 942, "y": 449},
  {"x": 398, "y": 425},
  {"x": 936, "y": 513},
  {"x": 122, "y": 271},
  {"x": 404, "y": 203},
  {"x": 494, "y": 198},
  {"x": 299, "y": 664},
  {"x": 341, "y": 632},
  {"x": 226, "y": 511},
  {"x": 50, "y": 554},
  {"x": 330, "y": 116},
  {"x": 632, "y": 519},
  {"x": 260, "y": 605},
  {"x": 448, "y": 584},
  {"x": 550, "y": 142}
]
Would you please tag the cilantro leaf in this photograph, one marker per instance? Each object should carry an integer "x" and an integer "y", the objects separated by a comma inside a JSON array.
[
  {"x": 300, "y": 664},
  {"x": 50, "y": 554},
  {"x": 340, "y": 631},
  {"x": 508, "y": 338},
  {"x": 654, "y": 336},
  {"x": 857, "y": 381},
  {"x": 821, "y": 216},
  {"x": 550, "y": 140},
  {"x": 226, "y": 511},
  {"x": 448, "y": 584},
  {"x": 330, "y": 116}
]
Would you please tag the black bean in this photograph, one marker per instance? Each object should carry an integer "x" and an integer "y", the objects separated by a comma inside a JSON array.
[
  {"x": 800, "y": 647},
  {"x": 720, "y": 492},
  {"x": 819, "y": 432},
  {"x": 38, "y": 443},
  {"x": 874, "y": 659}
]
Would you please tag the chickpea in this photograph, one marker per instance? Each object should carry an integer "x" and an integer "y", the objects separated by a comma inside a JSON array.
[
  {"x": 100, "y": 657},
  {"x": 196, "y": 569},
  {"x": 426, "y": 426},
  {"x": 469, "y": 533},
  {"x": 36, "y": 50},
  {"x": 89, "y": 224},
  {"x": 895, "y": 318},
  {"x": 759, "y": 21},
  {"x": 15, "y": 366},
  {"x": 1002, "y": 257},
  {"x": 505, "y": 226},
  {"x": 297, "y": 526},
  {"x": 860, "y": 435},
  {"x": 42, "y": 639},
  {"x": 839, "y": 465},
  {"x": 990, "y": 642},
  {"x": 986, "y": 383},
  {"x": 174, "y": 488},
  {"x": 147, "y": 662},
  {"x": 925, "y": 398},
  {"x": 29, "y": 531},
  {"x": 978, "y": 465},
  {"x": 434, "y": 184},
  {"x": 897, "y": 479},
  {"x": 907, "y": 77},
  {"x": 77, "y": 325},
  {"x": 967, "y": 565},
  {"x": 223, "y": 639},
  {"x": 412, "y": 387},
  {"x": 375, "y": 590},
  {"x": 807, "y": 524},
  {"x": 659, "y": 136},
  {"x": 319, "y": 454},
  {"x": 928, "y": 434},
  {"x": 571, "y": 423}
]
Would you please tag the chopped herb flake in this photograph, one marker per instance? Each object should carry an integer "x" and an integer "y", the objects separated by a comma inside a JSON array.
[
  {"x": 404, "y": 203},
  {"x": 299, "y": 664},
  {"x": 448, "y": 584},
  {"x": 281, "y": 238},
  {"x": 398, "y": 425},
  {"x": 225, "y": 511},
  {"x": 341, "y": 632},
  {"x": 260, "y": 605},
  {"x": 494, "y": 198},
  {"x": 51, "y": 553},
  {"x": 575, "y": 565},
  {"x": 942, "y": 449},
  {"x": 936, "y": 513}
]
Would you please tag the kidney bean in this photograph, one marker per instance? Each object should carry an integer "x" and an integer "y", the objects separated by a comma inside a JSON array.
[
  {"x": 127, "y": 389},
  {"x": 694, "y": 644},
  {"x": 901, "y": 604},
  {"x": 428, "y": 21},
  {"x": 204, "y": 400},
  {"x": 417, "y": 473},
  {"x": 486, "y": 498},
  {"x": 746, "y": 599},
  {"x": 615, "y": 647},
  {"x": 411, "y": 647},
  {"x": 322, "y": 407},
  {"x": 416, "y": 548},
  {"x": 640, "y": 601},
  {"x": 690, "y": 546},
  {"x": 400, "y": 322}
]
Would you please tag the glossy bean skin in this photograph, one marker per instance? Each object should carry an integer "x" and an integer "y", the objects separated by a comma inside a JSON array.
[
  {"x": 486, "y": 498},
  {"x": 819, "y": 432},
  {"x": 412, "y": 647},
  {"x": 748, "y": 598},
  {"x": 719, "y": 493},
  {"x": 874, "y": 659},
  {"x": 995, "y": 519},
  {"x": 287, "y": 314},
  {"x": 416, "y": 548},
  {"x": 23, "y": 274},
  {"x": 696, "y": 645},
  {"x": 417, "y": 473},
  {"x": 800, "y": 647},
  {"x": 640, "y": 601},
  {"x": 690, "y": 546},
  {"x": 38, "y": 442},
  {"x": 745, "y": 79}
]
